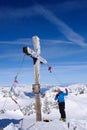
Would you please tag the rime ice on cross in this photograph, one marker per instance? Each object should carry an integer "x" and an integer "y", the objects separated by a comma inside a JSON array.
[{"x": 35, "y": 55}]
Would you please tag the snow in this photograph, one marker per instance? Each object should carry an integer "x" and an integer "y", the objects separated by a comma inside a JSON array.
[{"x": 22, "y": 116}]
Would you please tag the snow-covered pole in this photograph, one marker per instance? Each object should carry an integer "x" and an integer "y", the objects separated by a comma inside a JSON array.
[
  {"x": 37, "y": 78},
  {"x": 35, "y": 55},
  {"x": 36, "y": 61}
]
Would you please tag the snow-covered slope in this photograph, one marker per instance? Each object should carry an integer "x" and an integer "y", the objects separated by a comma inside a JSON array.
[
  {"x": 20, "y": 106},
  {"x": 78, "y": 88}
]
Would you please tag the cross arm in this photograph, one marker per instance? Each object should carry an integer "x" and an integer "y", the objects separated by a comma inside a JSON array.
[{"x": 33, "y": 54}]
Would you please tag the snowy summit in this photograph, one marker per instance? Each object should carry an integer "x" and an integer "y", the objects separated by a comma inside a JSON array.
[{"x": 17, "y": 108}]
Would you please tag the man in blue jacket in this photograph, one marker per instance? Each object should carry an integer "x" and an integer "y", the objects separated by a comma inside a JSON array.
[{"x": 61, "y": 102}]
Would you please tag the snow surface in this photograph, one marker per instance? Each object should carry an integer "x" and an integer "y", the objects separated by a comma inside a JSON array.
[{"x": 21, "y": 115}]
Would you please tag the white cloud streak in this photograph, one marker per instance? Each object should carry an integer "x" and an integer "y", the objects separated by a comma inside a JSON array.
[
  {"x": 27, "y": 41},
  {"x": 62, "y": 27},
  {"x": 46, "y": 44},
  {"x": 71, "y": 35},
  {"x": 17, "y": 13},
  {"x": 10, "y": 56},
  {"x": 71, "y": 68},
  {"x": 71, "y": 5},
  {"x": 24, "y": 41}
]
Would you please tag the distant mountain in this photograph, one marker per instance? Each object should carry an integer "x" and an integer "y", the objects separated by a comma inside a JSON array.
[{"x": 78, "y": 88}]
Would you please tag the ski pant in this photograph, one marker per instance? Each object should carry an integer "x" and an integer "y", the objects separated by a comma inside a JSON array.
[{"x": 62, "y": 109}]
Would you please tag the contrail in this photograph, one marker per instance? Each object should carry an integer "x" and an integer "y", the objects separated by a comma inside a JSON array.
[{"x": 62, "y": 27}]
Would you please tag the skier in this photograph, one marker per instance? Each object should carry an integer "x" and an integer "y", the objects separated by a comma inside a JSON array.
[{"x": 61, "y": 103}]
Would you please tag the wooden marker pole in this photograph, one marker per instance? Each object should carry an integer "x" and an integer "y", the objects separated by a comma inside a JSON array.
[
  {"x": 35, "y": 55},
  {"x": 37, "y": 78}
]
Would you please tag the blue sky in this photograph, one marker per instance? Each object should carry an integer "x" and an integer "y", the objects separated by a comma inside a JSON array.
[{"x": 61, "y": 26}]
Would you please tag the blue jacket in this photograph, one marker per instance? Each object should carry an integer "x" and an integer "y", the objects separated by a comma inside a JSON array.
[{"x": 60, "y": 96}]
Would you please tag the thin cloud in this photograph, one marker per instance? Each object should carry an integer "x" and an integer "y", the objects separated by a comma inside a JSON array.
[
  {"x": 69, "y": 33},
  {"x": 60, "y": 47},
  {"x": 17, "y": 13},
  {"x": 62, "y": 27},
  {"x": 10, "y": 56},
  {"x": 68, "y": 68},
  {"x": 24, "y": 41},
  {"x": 28, "y": 41},
  {"x": 48, "y": 41},
  {"x": 71, "y": 5}
]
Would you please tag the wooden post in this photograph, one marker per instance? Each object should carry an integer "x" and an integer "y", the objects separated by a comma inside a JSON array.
[
  {"x": 1, "y": 128},
  {"x": 35, "y": 55},
  {"x": 37, "y": 78}
]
